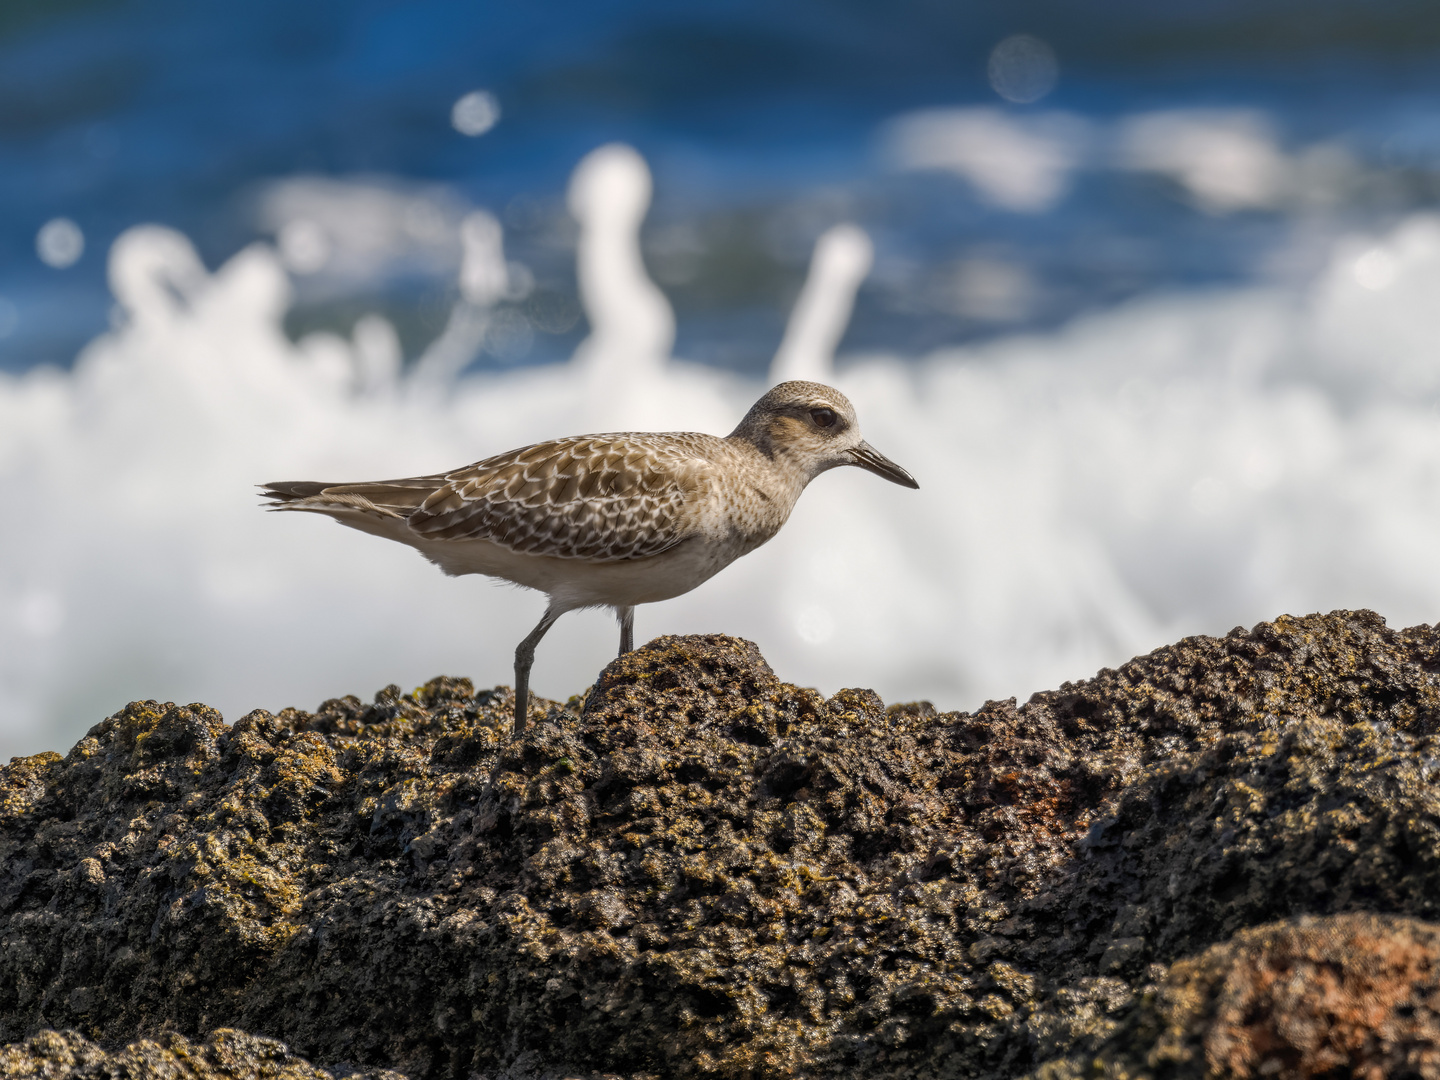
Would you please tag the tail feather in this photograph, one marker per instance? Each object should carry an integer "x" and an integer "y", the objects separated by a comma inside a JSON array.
[
  {"x": 388, "y": 498},
  {"x": 284, "y": 491}
]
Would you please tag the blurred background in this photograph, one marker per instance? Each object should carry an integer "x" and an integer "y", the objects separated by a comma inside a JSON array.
[{"x": 1146, "y": 296}]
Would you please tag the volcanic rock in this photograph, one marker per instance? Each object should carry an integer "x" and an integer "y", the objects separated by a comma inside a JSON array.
[{"x": 1221, "y": 859}]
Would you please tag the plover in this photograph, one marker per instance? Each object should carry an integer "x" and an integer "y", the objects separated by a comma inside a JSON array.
[{"x": 610, "y": 520}]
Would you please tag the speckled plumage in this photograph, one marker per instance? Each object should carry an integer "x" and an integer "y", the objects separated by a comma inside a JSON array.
[
  {"x": 601, "y": 498},
  {"x": 616, "y": 520}
]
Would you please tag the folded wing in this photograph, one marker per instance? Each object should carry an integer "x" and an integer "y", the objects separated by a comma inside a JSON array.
[{"x": 602, "y": 498}]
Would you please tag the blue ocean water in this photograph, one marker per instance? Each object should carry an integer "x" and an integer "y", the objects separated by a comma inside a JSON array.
[
  {"x": 763, "y": 124},
  {"x": 1150, "y": 316}
]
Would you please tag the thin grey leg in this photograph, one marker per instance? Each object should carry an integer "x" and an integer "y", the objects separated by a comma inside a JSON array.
[
  {"x": 627, "y": 629},
  {"x": 524, "y": 657}
]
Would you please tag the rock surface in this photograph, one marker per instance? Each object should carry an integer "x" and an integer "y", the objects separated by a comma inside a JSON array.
[
  {"x": 225, "y": 1055},
  {"x": 1217, "y": 860}
]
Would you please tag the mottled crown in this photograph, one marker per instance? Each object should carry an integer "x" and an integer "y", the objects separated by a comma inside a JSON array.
[{"x": 794, "y": 399}]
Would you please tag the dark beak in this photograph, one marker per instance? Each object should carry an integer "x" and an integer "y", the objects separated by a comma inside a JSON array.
[{"x": 867, "y": 457}]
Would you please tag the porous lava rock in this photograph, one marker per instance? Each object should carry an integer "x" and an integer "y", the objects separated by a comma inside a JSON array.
[
  {"x": 225, "y": 1055},
  {"x": 1349, "y": 995},
  {"x": 1220, "y": 859}
]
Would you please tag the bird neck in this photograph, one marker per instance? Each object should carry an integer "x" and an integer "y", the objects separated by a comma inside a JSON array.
[{"x": 778, "y": 472}]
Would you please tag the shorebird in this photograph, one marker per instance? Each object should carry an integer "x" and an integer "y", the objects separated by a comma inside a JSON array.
[{"x": 610, "y": 520}]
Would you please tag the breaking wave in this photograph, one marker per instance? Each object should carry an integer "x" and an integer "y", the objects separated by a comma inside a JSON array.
[{"x": 1175, "y": 466}]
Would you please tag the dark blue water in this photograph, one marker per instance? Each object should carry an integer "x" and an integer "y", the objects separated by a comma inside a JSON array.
[{"x": 763, "y": 123}]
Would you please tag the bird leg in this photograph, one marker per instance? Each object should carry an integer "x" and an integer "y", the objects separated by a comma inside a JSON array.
[
  {"x": 627, "y": 629},
  {"x": 524, "y": 657}
]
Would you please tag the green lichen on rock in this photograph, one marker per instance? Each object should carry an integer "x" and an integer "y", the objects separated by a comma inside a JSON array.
[{"x": 700, "y": 871}]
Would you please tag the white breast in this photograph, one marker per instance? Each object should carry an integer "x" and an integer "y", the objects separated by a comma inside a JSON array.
[{"x": 572, "y": 583}]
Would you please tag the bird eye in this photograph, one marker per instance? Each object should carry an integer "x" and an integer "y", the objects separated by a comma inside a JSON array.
[{"x": 823, "y": 417}]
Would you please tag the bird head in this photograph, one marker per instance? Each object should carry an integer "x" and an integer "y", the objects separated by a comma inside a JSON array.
[{"x": 813, "y": 428}]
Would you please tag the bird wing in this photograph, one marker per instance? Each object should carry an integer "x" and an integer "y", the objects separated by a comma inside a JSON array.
[{"x": 602, "y": 498}]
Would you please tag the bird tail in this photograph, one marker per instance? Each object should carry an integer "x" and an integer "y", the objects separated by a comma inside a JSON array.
[
  {"x": 385, "y": 498},
  {"x": 283, "y": 492}
]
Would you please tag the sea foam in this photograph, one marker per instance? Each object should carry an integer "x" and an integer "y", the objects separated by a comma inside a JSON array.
[{"x": 1178, "y": 465}]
